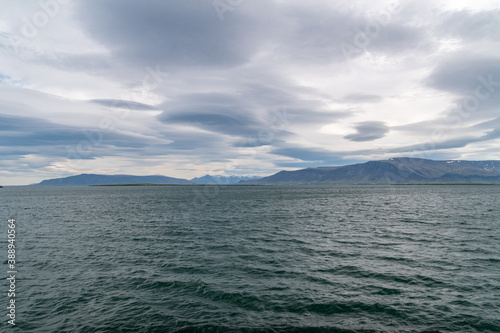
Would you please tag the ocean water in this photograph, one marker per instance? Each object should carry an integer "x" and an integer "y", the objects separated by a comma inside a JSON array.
[{"x": 254, "y": 258}]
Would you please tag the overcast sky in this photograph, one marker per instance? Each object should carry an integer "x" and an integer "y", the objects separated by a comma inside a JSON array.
[{"x": 243, "y": 87}]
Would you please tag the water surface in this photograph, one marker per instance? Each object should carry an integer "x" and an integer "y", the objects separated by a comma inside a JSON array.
[{"x": 256, "y": 258}]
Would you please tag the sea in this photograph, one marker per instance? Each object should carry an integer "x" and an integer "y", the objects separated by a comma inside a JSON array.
[{"x": 252, "y": 258}]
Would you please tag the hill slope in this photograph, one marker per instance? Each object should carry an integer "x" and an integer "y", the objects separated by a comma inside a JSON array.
[
  {"x": 91, "y": 179},
  {"x": 393, "y": 171}
]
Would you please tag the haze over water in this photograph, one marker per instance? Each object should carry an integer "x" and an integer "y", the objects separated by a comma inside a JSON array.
[{"x": 256, "y": 258}]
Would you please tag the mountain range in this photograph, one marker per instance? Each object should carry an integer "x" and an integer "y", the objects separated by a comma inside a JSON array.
[
  {"x": 92, "y": 179},
  {"x": 222, "y": 180},
  {"x": 391, "y": 171}
]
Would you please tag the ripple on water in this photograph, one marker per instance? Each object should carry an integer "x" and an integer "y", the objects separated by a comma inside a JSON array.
[{"x": 258, "y": 259}]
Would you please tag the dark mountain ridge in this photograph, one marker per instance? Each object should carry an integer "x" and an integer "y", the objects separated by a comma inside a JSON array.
[
  {"x": 92, "y": 179},
  {"x": 403, "y": 170}
]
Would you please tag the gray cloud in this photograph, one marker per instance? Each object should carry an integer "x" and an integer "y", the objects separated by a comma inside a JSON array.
[
  {"x": 461, "y": 73},
  {"x": 219, "y": 123},
  {"x": 190, "y": 142},
  {"x": 219, "y": 113},
  {"x": 453, "y": 143},
  {"x": 490, "y": 124},
  {"x": 362, "y": 98},
  {"x": 475, "y": 80},
  {"x": 30, "y": 135},
  {"x": 470, "y": 25},
  {"x": 368, "y": 131},
  {"x": 320, "y": 33},
  {"x": 320, "y": 157},
  {"x": 430, "y": 145},
  {"x": 246, "y": 115},
  {"x": 180, "y": 33},
  {"x": 118, "y": 103}
]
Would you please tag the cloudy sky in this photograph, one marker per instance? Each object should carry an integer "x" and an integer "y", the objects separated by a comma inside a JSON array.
[{"x": 243, "y": 87}]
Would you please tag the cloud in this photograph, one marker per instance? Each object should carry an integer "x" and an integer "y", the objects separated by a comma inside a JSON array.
[
  {"x": 462, "y": 73},
  {"x": 474, "y": 80},
  {"x": 320, "y": 157},
  {"x": 176, "y": 35},
  {"x": 472, "y": 26},
  {"x": 368, "y": 131},
  {"x": 220, "y": 113},
  {"x": 30, "y": 135},
  {"x": 180, "y": 33},
  {"x": 322, "y": 33},
  {"x": 249, "y": 115},
  {"x": 117, "y": 103},
  {"x": 362, "y": 98}
]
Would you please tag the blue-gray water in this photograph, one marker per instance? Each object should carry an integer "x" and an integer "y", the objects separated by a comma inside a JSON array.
[{"x": 255, "y": 259}]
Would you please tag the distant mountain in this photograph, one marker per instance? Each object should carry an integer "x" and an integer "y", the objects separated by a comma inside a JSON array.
[
  {"x": 222, "y": 180},
  {"x": 91, "y": 179},
  {"x": 392, "y": 171}
]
